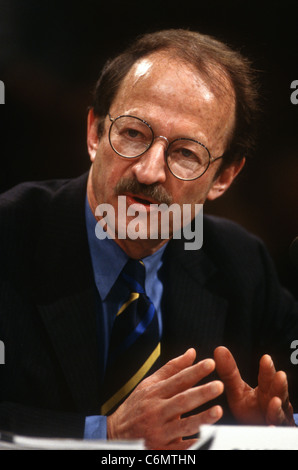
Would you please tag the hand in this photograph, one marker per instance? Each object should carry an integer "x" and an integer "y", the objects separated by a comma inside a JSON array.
[
  {"x": 267, "y": 404},
  {"x": 153, "y": 410}
]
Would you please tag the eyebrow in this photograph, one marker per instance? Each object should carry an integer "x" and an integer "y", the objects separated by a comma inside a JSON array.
[{"x": 177, "y": 136}]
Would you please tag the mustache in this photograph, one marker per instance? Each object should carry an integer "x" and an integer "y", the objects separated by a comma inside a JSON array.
[{"x": 153, "y": 191}]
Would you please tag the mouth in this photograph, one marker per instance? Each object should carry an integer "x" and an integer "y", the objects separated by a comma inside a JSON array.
[{"x": 139, "y": 199}]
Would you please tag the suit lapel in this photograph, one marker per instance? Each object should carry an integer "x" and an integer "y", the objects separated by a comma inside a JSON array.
[
  {"x": 65, "y": 292},
  {"x": 195, "y": 313}
]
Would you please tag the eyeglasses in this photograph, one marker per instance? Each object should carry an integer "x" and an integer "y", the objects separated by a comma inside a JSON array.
[{"x": 187, "y": 159}]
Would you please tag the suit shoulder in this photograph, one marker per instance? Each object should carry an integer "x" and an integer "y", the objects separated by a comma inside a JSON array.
[
  {"x": 21, "y": 215},
  {"x": 228, "y": 233},
  {"x": 29, "y": 193}
]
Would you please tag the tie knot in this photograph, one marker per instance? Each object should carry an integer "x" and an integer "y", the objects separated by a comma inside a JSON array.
[{"x": 134, "y": 273}]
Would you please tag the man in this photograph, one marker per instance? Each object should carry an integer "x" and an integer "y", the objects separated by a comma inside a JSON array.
[{"x": 171, "y": 123}]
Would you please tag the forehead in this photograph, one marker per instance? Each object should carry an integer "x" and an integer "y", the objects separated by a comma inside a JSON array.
[{"x": 165, "y": 87}]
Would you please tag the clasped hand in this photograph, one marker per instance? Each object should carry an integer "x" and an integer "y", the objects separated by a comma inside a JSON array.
[{"x": 154, "y": 410}]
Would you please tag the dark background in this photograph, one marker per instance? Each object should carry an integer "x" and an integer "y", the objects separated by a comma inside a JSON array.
[{"x": 50, "y": 56}]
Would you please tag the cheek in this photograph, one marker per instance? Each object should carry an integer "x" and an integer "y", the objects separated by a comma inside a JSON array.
[
  {"x": 194, "y": 192},
  {"x": 108, "y": 168}
]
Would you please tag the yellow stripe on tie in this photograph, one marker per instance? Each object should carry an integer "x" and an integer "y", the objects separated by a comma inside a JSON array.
[
  {"x": 129, "y": 386},
  {"x": 133, "y": 296}
]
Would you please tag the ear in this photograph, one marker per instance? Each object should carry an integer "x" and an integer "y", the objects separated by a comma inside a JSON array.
[
  {"x": 225, "y": 179},
  {"x": 92, "y": 135}
]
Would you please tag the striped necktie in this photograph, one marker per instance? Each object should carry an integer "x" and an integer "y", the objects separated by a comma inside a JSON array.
[{"x": 135, "y": 344}]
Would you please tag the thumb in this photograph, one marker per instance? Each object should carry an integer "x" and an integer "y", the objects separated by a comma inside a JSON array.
[{"x": 229, "y": 373}]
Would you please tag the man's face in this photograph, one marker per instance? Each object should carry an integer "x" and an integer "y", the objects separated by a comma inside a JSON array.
[{"x": 176, "y": 102}]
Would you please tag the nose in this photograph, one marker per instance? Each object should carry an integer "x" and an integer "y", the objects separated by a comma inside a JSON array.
[{"x": 151, "y": 166}]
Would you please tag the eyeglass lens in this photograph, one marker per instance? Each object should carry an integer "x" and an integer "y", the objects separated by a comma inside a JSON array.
[{"x": 130, "y": 137}]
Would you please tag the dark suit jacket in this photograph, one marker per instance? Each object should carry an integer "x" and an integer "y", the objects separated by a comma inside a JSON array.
[{"x": 224, "y": 294}]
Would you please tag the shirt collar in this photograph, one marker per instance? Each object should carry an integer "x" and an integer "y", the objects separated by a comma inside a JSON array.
[{"x": 108, "y": 259}]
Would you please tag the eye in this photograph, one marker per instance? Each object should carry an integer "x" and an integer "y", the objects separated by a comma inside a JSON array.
[
  {"x": 187, "y": 153},
  {"x": 183, "y": 153},
  {"x": 133, "y": 133}
]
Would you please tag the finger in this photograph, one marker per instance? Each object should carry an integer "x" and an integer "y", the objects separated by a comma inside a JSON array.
[
  {"x": 279, "y": 387},
  {"x": 186, "y": 378},
  {"x": 275, "y": 384},
  {"x": 279, "y": 415},
  {"x": 174, "y": 366},
  {"x": 289, "y": 413},
  {"x": 191, "y": 399},
  {"x": 190, "y": 425},
  {"x": 275, "y": 415},
  {"x": 266, "y": 374},
  {"x": 228, "y": 372}
]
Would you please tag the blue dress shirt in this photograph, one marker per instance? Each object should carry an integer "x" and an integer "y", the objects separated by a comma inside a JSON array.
[{"x": 108, "y": 260}]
